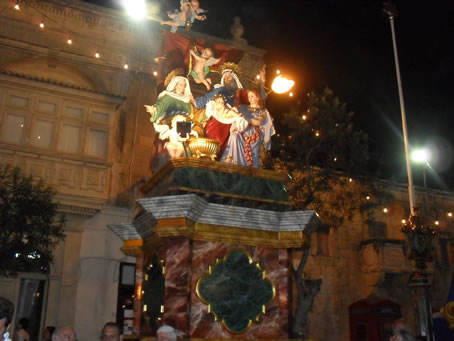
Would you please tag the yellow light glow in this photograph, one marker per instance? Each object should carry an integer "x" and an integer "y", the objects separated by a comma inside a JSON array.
[
  {"x": 291, "y": 94},
  {"x": 281, "y": 84},
  {"x": 437, "y": 222},
  {"x": 278, "y": 72},
  {"x": 16, "y": 6},
  {"x": 97, "y": 55},
  {"x": 69, "y": 41},
  {"x": 135, "y": 8},
  {"x": 126, "y": 66},
  {"x": 155, "y": 73},
  {"x": 403, "y": 221},
  {"x": 385, "y": 210},
  {"x": 317, "y": 134},
  {"x": 450, "y": 214},
  {"x": 368, "y": 197},
  {"x": 335, "y": 159},
  {"x": 304, "y": 117},
  {"x": 258, "y": 76},
  {"x": 42, "y": 24},
  {"x": 351, "y": 180}
]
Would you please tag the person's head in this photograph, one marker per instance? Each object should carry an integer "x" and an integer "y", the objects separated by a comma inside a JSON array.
[
  {"x": 47, "y": 333},
  {"x": 64, "y": 334},
  {"x": 23, "y": 323},
  {"x": 207, "y": 53},
  {"x": 219, "y": 100},
  {"x": 166, "y": 333},
  {"x": 254, "y": 98},
  {"x": 111, "y": 332},
  {"x": 180, "y": 86},
  {"x": 6, "y": 315},
  {"x": 195, "y": 4},
  {"x": 230, "y": 80}
]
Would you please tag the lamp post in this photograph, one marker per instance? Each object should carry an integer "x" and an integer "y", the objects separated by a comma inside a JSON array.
[{"x": 419, "y": 235}]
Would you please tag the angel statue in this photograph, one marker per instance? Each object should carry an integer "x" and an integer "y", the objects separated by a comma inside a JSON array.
[
  {"x": 174, "y": 146},
  {"x": 189, "y": 11},
  {"x": 200, "y": 68}
]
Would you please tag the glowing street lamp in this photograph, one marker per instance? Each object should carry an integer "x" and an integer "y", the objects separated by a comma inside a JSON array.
[
  {"x": 422, "y": 156},
  {"x": 281, "y": 84},
  {"x": 136, "y": 9}
]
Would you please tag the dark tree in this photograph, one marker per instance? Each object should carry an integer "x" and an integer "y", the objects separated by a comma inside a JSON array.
[
  {"x": 30, "y": 226},
  {"x": 326, "y": 159}
]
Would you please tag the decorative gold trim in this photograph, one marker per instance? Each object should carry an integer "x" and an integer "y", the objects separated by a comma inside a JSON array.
[
  {"x": 210, "y": 269},
  {"x": 214, "y": 166},
  {"x": 132, "y": 251},
  {"x": 132, "y": 247},
  {"x": 448, "y": 313},
  {"x": 227, "y": 234}
]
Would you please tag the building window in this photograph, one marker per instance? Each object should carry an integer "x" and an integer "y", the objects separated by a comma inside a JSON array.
[
  {"x": 377, "y": 230},
  {"x": 18, "y": 101},
  {"x": 41, "y": 135},
  {"x": 100, "y": 116},
  {"x": 97, "y": 143},
  {"x": 55, "y": 123},
  {"x": 74, "y": 112},
  {"x": 69, "y": 140},
  {"x": 13, "y": 128},
  {"x": 47, "y": 107}
]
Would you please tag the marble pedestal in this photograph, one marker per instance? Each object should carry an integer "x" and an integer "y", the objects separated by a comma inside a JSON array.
[{"x": 191, "y": 230}]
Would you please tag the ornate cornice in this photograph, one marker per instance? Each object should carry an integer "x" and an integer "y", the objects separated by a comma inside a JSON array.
[{"x": 89, "y": 13}]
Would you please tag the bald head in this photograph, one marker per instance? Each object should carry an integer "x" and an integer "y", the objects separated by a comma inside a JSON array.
[{"x": 64, "y": 334}]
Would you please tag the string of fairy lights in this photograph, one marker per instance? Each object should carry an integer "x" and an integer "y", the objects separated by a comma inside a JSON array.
[{"x": 70, "y": 35}]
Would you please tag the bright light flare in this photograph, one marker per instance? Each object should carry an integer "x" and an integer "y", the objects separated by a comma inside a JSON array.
[
  {"x": 421, "y": 155},
  {"x": 281, "y": 84},
  {"x": 136, "y": 9},
  {"x": 42, "y": 24}
]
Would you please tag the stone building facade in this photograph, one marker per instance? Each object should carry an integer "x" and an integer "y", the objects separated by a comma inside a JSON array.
[{"x": 78, "y": 122}]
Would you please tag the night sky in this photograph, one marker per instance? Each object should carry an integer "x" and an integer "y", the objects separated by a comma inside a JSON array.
[{"x": 346, "y": 45}]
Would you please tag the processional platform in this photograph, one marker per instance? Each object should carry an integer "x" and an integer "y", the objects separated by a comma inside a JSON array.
[{"x": 212, "y": 243}]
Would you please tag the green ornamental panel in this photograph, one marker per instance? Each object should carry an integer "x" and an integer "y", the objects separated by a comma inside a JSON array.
[{"x": 236, "y": 291}]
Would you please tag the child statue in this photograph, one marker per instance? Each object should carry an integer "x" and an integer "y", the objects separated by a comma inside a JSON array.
[{"x": 201, "y": 66}]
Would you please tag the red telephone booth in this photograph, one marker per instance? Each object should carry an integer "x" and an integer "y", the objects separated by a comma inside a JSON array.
[{"x": 372, "y": 319}]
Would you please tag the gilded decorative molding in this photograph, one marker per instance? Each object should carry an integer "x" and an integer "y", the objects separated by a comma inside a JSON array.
[
  {"x": 448, "y": 313},
  {"x": 230, "y": 235}
]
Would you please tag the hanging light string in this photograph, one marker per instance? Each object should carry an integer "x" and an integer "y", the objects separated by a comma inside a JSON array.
[{"x": 73, "y": 38}]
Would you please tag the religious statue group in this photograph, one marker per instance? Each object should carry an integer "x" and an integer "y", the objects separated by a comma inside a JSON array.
[{"x": 243, "y": 130}]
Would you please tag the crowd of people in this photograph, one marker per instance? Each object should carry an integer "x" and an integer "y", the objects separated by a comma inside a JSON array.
[
  {"x": 235, "y": 117},
  {"x": 111, "y": 331}
]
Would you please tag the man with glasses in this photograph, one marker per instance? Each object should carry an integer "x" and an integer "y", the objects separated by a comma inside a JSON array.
[{"x": 111, "y": 332}]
